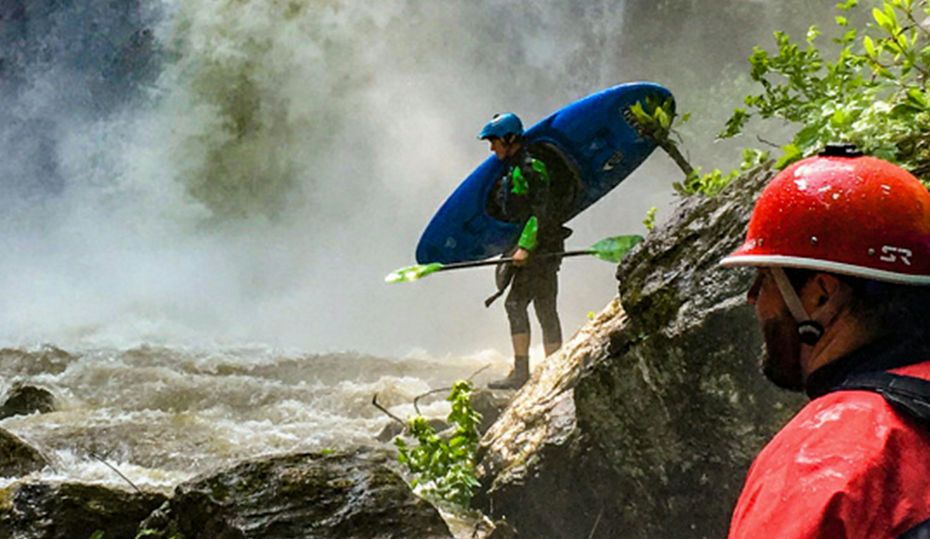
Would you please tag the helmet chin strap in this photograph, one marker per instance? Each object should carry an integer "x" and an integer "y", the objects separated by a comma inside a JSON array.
[{"x": 809, "y": 330}]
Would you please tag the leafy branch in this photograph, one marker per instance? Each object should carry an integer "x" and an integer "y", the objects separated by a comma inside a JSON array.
[
  {"x": 872, "y": 93},
  {"x": 653, "y": 120},
  {"x": 444, "y": 466}
]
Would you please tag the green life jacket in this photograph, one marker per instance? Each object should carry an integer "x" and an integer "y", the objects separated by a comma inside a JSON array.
[{"x": 520, "y": 186}]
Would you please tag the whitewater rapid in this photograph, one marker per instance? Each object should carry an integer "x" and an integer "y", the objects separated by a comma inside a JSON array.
[{"x": 163, "y": 415}]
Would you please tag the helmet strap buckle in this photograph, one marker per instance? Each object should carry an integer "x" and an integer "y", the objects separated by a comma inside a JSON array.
[
  {"x": 810, "y": 328},
  {"x": 809, "y": 332}
]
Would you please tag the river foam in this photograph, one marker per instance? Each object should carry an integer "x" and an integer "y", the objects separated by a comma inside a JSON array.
[{"x": 162, "y": 415}]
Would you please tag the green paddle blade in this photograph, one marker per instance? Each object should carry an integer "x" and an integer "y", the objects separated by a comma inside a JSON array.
[
  {"x": 615, "y": 248},
  {"x": 412, "y": 273}
]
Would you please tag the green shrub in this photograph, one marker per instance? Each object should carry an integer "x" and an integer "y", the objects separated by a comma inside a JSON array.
[{"x": 444, "y": 467}]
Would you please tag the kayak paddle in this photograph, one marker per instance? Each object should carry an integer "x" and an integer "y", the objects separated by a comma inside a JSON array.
[{"x": 611, "y": 249}]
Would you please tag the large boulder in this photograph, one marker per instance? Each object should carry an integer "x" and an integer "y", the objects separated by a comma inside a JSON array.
[
  {"x": 306, "y": 496},
  {"x": 72, "y": 511},
  {"x": 645, "y": 423},
  {"x": 17, "y": 458},
  {"x": 25, "y": 399}
]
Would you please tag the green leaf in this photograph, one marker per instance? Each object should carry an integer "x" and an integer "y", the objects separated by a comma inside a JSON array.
[
  {"x": 919, "y": 98},
  {"x": 650, "y": 223},
  {"x": 735, "y": 124},
  {"x": 847, "y": 5},
  {"x": 842, "y": 21},
  {"x": 869, "y": 46},
  {"x": 882, "y": 19},
  {"x": 892, "y": 17},
  {"x": 664, "y": 120},
  {"x": 812, "y": 34},
  {"x": 639, "y": 114},
  {"x": 791, "y": 153}
]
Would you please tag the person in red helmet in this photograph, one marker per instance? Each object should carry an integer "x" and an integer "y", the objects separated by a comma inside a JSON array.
[{"x": 841, "y": 246}]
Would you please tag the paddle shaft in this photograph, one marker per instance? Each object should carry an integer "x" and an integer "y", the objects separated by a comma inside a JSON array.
[{"x": 499, "y": 261}]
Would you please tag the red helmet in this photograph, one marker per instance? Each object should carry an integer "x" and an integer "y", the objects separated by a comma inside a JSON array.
[{"x": 840, "y": 212}]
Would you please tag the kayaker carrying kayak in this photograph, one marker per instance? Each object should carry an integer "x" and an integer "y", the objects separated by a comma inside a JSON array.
[{"x": 524, "y": 195}]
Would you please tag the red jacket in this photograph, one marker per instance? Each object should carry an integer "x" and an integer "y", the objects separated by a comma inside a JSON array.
[{"x": 847, "y": 465}]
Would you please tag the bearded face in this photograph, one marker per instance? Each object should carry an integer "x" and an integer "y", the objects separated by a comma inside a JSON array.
[
  {"x": 781, "y": 357},
  {"x": 780, "y": 361}
]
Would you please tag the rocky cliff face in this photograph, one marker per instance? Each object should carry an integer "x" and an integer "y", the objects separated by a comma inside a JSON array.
[{"x": 646, "y": 421}]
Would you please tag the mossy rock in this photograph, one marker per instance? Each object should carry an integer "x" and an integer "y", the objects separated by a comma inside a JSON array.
[
  {"x": 305, "y": 495},
  {"x": 37, "y": 510},
  {"x": 17, "y": 458}
]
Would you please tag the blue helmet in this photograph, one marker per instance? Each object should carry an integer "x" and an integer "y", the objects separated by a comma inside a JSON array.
[{"x": 502, "y": 125}]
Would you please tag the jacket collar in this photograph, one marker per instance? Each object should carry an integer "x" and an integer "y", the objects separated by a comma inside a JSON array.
[{"x": 882, "y": 355}]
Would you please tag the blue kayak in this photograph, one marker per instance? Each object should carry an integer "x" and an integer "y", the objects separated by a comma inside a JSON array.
[{"x": 589, "y": 146}]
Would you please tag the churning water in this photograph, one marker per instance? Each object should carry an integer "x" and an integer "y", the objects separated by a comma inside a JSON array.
[
  {"x": 163, "y": 415},
  {"x": 182, "y": 178}
]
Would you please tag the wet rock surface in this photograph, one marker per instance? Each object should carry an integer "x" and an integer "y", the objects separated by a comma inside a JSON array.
[
  {"x": 646, "y": 422},
  {"x": 72, "y": 511},
  {"x": 25, "y": 399},
  {"x": 18, "y": 458},
  {"x": 490, "y": 404},
  {"x": 306, "y": 495}
]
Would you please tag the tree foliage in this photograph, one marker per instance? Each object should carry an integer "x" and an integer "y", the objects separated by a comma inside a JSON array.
[
  {"x": 444, "y": 466},
  {"x": 869, "y": 88}
]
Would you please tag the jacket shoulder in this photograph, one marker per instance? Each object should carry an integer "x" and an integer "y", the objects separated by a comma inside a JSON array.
[{"x": 833, "y": 467}]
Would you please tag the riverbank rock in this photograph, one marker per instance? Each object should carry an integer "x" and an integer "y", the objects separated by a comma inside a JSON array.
[
  {"x": 306, "y": 496},
  {"x": 490, "y": 404},
  {"x": 17, "y": 458},
  {"x": 645, "y": 423},
  {"x": 72, "y": 511},
  {"x": 25, "y": 400}
]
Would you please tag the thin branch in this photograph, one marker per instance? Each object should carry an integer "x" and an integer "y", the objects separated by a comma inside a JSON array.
[
  {"x": 769, "y": 143},
  {"x": 596, "y": 522},
  {"x": 119, "y": 473},
  {"x": 416, "y": 400},
  {"x": 922, "y": 26},
  {"x": 374, "y": 402},
  {"x": 672, "y": 150},
  {"x": 479, "y": 371}
]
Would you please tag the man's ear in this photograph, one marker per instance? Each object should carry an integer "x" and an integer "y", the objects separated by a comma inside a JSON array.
[
  {"x": 824, "y": 296},
  {"x": 827, "y": 286}
]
